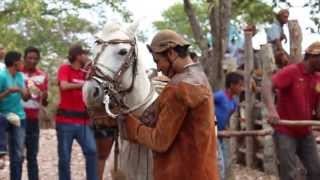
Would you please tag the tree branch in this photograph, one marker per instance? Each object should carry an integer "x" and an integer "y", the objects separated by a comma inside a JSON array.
[{"x": 195, "y": 26}]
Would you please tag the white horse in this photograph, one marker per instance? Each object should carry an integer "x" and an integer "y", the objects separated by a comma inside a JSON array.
[{"x": 120, "y": 79}]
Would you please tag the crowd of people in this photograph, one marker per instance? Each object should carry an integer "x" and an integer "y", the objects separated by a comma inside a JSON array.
[
  {"x": 23, "y": 91},
  {"x": 188, "y": 114}
]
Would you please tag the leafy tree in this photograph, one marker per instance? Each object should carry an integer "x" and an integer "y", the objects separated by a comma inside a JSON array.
[
  {"x": 212, "y": 17},
  {"x": 250, "y": 11},
  {"x": 52, "y": 26}
]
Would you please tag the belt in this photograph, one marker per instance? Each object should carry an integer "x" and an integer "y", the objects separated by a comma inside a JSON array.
[{"x": 73, "y": 114}]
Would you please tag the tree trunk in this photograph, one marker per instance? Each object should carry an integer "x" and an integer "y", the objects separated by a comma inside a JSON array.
[
  {"x": 198, "y": 34},
  {"x": 219, "y": 17}
]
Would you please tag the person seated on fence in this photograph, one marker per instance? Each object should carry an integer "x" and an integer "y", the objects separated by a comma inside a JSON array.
[
  {"x": 12, "y": 92},
  {"x": 37, "y": 83},
  {"x": 275, "y": 36},
  {"x": 298, "y": 92},
  {"x": 226, "y": 103},
  {"x": 183, "y": 134}
]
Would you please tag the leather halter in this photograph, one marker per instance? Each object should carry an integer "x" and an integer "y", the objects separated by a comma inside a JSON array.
[{"x": 112, "y": 85}]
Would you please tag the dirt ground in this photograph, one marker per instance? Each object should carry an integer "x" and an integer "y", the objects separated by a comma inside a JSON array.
[{"x": 48, "y": 163}]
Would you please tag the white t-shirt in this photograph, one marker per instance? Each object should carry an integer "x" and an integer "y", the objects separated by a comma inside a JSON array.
[{"x": 2, "y": 65}]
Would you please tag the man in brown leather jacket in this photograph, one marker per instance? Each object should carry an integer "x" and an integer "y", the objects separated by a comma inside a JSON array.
[{"x": 182, "y": 135}]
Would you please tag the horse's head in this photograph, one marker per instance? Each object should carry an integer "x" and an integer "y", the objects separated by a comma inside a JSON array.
[{"x": 115, "y": 66}]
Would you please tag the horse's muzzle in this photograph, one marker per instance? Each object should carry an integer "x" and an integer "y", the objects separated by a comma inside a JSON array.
[{"x": 93, "y": 94}]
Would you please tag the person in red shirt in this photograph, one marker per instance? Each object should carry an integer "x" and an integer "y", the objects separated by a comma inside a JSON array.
[
  {"x": 298, "y": 90},
  {"x": 72, "y": 121},
  {"x": 37, "y": 83}
]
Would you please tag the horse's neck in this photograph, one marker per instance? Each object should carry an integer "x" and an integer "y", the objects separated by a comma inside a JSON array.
[{"x": 142, "y": 89}]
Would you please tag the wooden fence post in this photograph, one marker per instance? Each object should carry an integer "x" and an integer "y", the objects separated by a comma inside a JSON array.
[
  {"x": 295, "y": 41},
  {"x": 249, "y": 97},
  {"x": 269, "y": 155}
]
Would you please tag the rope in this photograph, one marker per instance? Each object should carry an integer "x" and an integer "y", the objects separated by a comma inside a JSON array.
[{"x": 116, "y": 151}]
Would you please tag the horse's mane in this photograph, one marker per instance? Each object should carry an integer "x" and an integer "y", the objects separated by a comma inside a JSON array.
[{"x": 110, "y": 28}]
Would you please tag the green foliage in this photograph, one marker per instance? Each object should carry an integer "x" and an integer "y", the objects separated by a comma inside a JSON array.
[
  {"x": 250, "y": 11},
  {"x": 175, "y": 18},
  {"x": 51, "y": 26}
]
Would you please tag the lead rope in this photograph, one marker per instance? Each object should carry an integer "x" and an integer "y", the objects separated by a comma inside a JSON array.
[{"x": 116, "y": 150}]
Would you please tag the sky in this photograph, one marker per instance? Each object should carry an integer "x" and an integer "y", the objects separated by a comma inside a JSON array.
[{"x": 148, "y": 11}]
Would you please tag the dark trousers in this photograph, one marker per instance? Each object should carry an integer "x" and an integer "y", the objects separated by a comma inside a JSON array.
[
  {"x": 66, "y": 134},
  {"x": 16, "y": 144},
  {"x": 32, "y": 147},
  {"x": 3, "y": 135},
  {"x": 289, "y": 150}
]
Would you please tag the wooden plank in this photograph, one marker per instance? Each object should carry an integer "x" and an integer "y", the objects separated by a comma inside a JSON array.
[
  {"x": 295, "y": 41},
  {"x": 230, "y": 133},
  {"x": 297, "y": 122},
  {"x": 234, "y": 125},
  {"x": 249, "y": 97}
]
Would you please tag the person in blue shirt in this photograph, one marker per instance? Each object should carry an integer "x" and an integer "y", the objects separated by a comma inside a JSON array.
[
  {"x": 12, "y": 92},
  {"x": 225, "y": 104}
]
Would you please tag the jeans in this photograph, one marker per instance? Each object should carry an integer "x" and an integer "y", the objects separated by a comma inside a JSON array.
[
  {"x": 289, "y": 149},
  {"x": 16, "y": 144},
  {"x": 66, "y": 133},
  {"x": 3, "y": 134},
  {"x": 223, "y": 158},
  {"x": 32, "y": 148}
]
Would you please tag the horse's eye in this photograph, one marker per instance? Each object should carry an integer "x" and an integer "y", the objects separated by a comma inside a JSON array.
[
  {"x": 123, "y": 52},
  {"x": 98, "y": 42}
]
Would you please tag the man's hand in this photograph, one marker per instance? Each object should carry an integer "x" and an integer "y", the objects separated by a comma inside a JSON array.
[
  {"x": 283, "y": 37},
  {"x": 14, "y": 90},
  {"x": 273, "y": 117}
]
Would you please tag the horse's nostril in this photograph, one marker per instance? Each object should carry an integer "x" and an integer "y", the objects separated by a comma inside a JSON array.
[{"x": 96, "y": 92}]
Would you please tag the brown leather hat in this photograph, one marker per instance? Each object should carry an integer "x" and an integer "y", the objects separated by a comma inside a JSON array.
[
  {"x": 166, "y": 39},
  {"x": 314, "y": 48}
]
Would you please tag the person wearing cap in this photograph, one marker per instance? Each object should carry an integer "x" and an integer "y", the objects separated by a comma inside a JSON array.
[
  {"x": 12, "y": 92},
  {"x": 298, "y": 97},
  {"x": 182, "y": 135},
  {"x": 72, "y": 120},
  {"x": 37, "y": 83},
  {"x": 275, "y": 36}
]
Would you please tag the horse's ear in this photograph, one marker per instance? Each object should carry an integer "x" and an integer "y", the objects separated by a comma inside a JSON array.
[{"x": 132, "y": 29}]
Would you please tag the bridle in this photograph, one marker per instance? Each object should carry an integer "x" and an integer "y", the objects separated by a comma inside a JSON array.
[{"x": 111, "y": 86}]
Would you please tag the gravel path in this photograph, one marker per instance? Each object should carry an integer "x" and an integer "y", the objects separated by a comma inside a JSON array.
[{"x": 48, "y": 163}]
